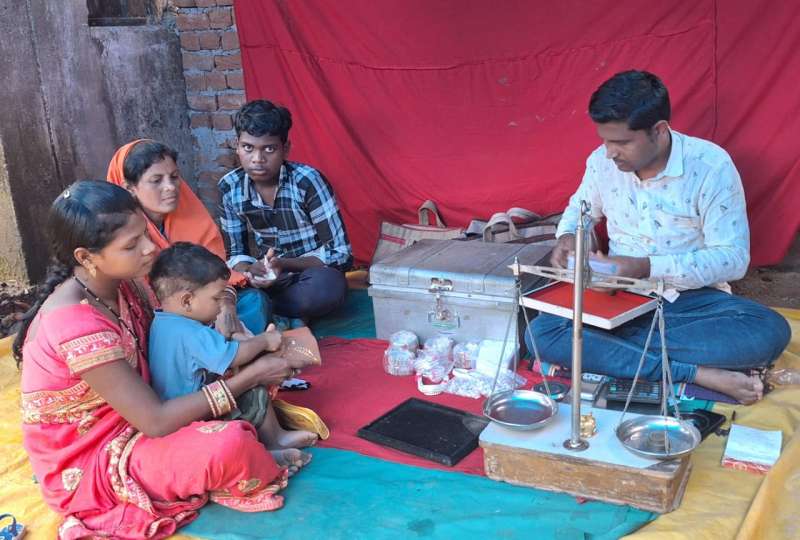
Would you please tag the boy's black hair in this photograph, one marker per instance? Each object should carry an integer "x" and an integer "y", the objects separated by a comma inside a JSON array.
[
  {"x": 87, "y": 215},
  {"x": 142, "y": 156},
  {"x": 261, "y": 117},
  {"x": 636, "y": 97},
  {"x": 185, "y": 267}
]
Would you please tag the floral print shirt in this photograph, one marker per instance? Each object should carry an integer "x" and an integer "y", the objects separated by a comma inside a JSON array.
[{"x": 690, "y": 219}]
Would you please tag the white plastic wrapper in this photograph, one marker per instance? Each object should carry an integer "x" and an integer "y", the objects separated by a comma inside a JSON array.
[
  {"x": 432, "y": 366},
  {"x": 463, "y": 385},
  {"x": 404, "y": 340},
  {"x": 465, "y": 355},
  {"x": 398, "y": 361},
  {"x": 440, "y": 345},
  {"x": 474, "y": 384}
]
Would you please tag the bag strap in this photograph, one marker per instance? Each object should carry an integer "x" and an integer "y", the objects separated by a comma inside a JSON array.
[
  {"x": 496, "y": 219},
  {"x": 422, "y": 213},
  {"x": 522, "y": 214}
]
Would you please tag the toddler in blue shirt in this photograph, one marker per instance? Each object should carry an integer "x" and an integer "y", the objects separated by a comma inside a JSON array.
[{"x": 185, "y": 352}]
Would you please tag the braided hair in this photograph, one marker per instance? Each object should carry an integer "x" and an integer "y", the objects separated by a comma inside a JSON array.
[{"x": 87, "y": 214}]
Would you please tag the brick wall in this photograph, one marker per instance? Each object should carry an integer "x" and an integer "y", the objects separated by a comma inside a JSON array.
[{"x": 214, "y": 87}]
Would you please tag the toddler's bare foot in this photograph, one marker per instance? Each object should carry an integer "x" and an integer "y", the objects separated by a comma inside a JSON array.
[
  {"x": 295, "y": 439},
  {"x": 291, "y": 458},
  {"x": 747, "y": 389}
]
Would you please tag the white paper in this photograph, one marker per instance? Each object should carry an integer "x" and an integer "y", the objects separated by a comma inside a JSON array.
[{"x": 753, "y": 445}]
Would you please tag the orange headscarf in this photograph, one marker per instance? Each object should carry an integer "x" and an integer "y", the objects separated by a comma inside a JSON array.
[{"x": 189, "y": 222}]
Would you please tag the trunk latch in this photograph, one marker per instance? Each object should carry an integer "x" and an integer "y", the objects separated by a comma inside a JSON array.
[{"x": 440, "y": 284}]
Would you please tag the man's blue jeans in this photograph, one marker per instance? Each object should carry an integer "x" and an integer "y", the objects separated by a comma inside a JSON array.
[{"x": 704, "y": 327}]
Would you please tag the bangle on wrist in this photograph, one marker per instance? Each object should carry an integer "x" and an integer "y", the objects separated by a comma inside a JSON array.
[
  {"x": 229, "y": 394},
  {"x": 210, "y": 400},
  {"x": 219, "y": 397}
]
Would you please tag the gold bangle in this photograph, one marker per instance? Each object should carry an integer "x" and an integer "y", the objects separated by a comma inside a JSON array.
[
  {"x": 221, "y": 400},
  {"x": 211, "y": 404},
  {"x": 228, "y": 392}
]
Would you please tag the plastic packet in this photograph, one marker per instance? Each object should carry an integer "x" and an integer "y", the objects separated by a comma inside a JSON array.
[
  {"x": 508, "y": 380},
  {"x": 465, "y": 355},
  {"x": 432, "y": 366},
  {"x": 404, "y": 339},
  {"x": 398, "y": 361},
  {"x": 462, "y": 384},
  {"x": 440, "y": 345},
  {"x": 472, "y": 383}
]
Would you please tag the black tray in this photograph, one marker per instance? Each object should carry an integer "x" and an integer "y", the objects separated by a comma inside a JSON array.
[{"x": 428, "y": 430}]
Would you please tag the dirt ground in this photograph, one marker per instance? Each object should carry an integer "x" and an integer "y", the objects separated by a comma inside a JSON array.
[{"x": 777, "y": 286}]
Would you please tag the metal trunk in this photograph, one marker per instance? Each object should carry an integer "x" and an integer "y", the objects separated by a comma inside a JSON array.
[{"x": 462, "y": 289}]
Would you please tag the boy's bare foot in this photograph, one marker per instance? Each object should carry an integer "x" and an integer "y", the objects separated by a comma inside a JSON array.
[
  {"x": 747, "y": 389},
  {"x": 274, "y": 437},
  {"x": 291, "y": 458},
  {"x": 295, "y": 439}
]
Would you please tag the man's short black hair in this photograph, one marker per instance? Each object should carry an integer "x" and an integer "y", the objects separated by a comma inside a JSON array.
[
  {"x": 185, "y": 267},
  {"x": 636, "y": 97},
  {"x": 261, "y": 117}
]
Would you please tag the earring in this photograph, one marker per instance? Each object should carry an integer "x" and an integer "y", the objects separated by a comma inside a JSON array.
[{"x": 92, "y": 269}]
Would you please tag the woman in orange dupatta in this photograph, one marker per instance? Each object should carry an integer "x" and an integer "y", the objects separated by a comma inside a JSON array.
[
  {"x": 149, "y": 170},
  {"x": 109, "y": 456}
]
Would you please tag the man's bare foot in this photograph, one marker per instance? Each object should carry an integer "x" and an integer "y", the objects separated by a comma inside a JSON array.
[
  {"x": 747, "y": 389},
  {"x": 294, "y": 439},
  {"x": 291, "y": 458}
]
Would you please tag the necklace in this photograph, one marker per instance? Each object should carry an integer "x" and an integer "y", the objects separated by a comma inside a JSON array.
[{"x": 116, "y": 315}]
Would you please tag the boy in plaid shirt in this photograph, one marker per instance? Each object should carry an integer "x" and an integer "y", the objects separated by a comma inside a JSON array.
[{"x": 301, "y": 246}]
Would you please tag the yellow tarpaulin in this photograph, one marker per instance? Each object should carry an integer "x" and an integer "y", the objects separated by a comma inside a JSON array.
[
  {"x": 722, "y": 503},
  {"x": 719, "y": 503}
]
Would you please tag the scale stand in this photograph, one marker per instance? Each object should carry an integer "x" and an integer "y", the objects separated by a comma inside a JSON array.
[
  {"x": 575, "y": 442},
  {"x": 555, "y": 457}
]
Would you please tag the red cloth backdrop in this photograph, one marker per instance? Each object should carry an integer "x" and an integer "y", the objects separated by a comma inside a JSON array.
[{"x": 483, "y": 106}]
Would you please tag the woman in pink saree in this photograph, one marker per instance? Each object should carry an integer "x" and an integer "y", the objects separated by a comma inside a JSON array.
[{"x": 109, "y": 456}]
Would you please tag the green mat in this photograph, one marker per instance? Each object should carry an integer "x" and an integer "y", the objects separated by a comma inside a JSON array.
[
  {"x": 344, "y": 495},
  {"x": 355, "y": 319}
]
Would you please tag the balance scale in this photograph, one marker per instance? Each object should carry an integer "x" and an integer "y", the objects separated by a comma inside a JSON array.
[
  {"x": 554, "y": 457},
  {"x": 605, "y": 471}
]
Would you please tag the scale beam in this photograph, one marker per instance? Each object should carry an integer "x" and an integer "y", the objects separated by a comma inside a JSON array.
[{"x": 597, "y": 279}]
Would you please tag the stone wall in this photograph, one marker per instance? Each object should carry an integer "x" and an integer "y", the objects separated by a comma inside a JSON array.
[
  {"x": 73, "y": 94},
  {"x": 214, "y": 87}
]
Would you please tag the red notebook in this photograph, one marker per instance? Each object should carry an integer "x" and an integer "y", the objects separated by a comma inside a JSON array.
[{"x": 599, "y": 309}]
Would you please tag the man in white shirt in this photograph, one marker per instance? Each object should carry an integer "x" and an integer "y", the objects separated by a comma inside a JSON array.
[{"x": 675, "y": 210}]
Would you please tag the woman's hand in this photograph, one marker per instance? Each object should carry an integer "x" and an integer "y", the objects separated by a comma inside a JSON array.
[
  {"x": 272, "y": 338},
  {"x": 127, "y": 393},
  {"x": 267, "y": 370},
  {"x": 227, "y": 322}
]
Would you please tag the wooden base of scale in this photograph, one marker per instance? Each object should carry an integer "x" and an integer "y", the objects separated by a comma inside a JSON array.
[{"x": 605, "y": 471}]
